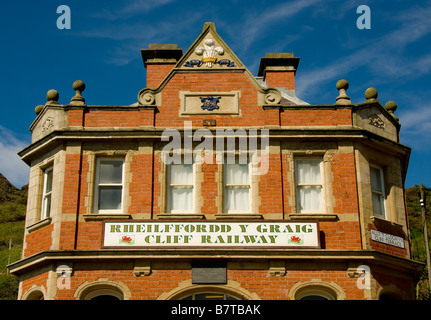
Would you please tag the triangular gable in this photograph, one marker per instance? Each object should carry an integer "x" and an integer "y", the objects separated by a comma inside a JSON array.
[{"x": 209, "y": 52}]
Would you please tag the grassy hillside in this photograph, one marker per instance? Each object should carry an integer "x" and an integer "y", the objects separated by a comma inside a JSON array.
[
  {"x": 12, "y": 214},
  {"x": 416, "y": 234}
]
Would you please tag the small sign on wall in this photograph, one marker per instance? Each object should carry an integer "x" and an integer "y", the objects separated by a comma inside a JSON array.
[{"x": 387, "y": 238}]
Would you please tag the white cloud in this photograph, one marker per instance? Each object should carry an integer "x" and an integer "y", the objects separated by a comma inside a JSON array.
[
  {"x": 130, "y": 36},
  {"x": 255, "y": 24},
  {"x": 415, "y": 125},
  {"x": 131, "y": 8},
  {"x": 11, "y": 165},
  {"x": 383, "y": 56}
]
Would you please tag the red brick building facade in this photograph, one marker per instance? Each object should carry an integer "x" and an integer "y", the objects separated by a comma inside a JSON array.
[{"x": 315, "y": 211}]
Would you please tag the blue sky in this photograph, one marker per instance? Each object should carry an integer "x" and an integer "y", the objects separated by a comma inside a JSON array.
[{"x": 102, "y": 48}]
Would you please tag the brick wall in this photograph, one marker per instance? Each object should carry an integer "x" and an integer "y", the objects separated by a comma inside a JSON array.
[
  {"x": 316, "y": 117},
  {"x": 253, "y": 280},
  {"x": 284, "y": 79},
  {"x": 156, "y": 73},
  {"x": 39, "y": 240}
]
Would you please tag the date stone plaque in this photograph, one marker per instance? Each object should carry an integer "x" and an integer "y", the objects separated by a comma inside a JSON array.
[{"x": 209, "y": 273}]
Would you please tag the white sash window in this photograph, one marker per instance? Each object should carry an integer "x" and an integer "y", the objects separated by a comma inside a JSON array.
[
  {"x": 378, "y": 191},
  {"x": 309, "y": 185},
  {"x": 180, "y": 188},
  {"x": 237, "y": 188},
  {"x": 109, "y": 185},
  {"x": 47, "y": 193}
]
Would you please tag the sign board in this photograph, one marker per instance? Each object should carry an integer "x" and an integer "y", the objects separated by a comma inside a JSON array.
[
  {"x": 121, "y": 234},
  {"x": 387, "y": 238}
]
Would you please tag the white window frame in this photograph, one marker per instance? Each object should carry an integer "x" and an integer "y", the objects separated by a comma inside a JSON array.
[
  {"x": 298, "y": 186},
  {"x": 97, "y": 184},
  {"x": 381, "y": 193},
  {"x": 249, "y": 186},
  {"x": 169, "y": 186},
  {"x": 46, "y": 211}
]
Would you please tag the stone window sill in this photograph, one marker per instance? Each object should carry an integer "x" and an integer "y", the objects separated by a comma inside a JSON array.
[
  {"x": 227, "y": 216},
  {"x": 40, "y": 224},
  {"x": 180, "y": 216},
  {"x": 105, "y": 216},
  {"x": 314, "y": 216}
]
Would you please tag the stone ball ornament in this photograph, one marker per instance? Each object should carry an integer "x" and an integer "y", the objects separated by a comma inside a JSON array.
[
  {"x": 78, "y": 85},
  {"x": 52, "y": 95},
  {"x": 371, "y": 93},
  {"x": 38, "y": 108},
  {"x": 342, "y": 84}
]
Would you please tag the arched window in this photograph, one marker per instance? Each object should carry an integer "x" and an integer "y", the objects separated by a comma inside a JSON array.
[
  {"x": 315, "y": 294},
  {"x": 35, "y": 293},
  {"x": 316, "y": 289},
  {"x": 189, "y": 291},
  {"x": 102, "y": 289},
  {"x": 107, "y": 294}
]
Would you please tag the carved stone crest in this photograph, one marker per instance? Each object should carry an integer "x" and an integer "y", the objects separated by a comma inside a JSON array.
[
  {"x": 376, "y": 121},
  {"x": 209, "y": 54},
  {"x": 48, "y": 124}
]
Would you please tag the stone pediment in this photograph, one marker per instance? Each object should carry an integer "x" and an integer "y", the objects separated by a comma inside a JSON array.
[{"x": 209, "y": 52}]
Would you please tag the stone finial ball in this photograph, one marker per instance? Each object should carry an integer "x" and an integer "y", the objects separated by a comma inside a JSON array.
[
  {"x": 371, "y": 93},
  {"x": 52, "y": 95},
  {"x": 391, "y": 106},
  {"x": 342, "y": 84},
  {"x": 79, "y": 85},
  {"x": 38, "y": 109}
]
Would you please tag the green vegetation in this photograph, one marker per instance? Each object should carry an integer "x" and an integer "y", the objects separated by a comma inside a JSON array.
[
  {"x": 417, "y": 236},
  {"x": 12, "y": 215}
]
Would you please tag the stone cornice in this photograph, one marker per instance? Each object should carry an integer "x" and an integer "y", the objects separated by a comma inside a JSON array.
[
  {"x": 57, "y": 137},
  {"x": 322, "y": 255}
]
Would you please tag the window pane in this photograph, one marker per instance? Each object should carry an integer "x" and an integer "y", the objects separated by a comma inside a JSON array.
[
  {"x": 181, "y": 174},
  {"x": 237, "y": 199},
  {"x": 181, "y": 199},
  {"x": 310, "y": 198},
  {"x": 46, "y": 207},
  {"x": 308, "y": 171},
  {"x": 378, "y": 205},
  {"x": 236, "y": 174},
  {"x": 376, "y": 179},
  {"x": 111, "y": 172},
  {"x": 48, "y": 181},
  {"x": 110, "y": 198}
]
